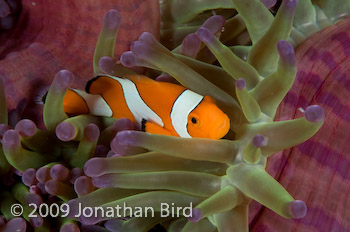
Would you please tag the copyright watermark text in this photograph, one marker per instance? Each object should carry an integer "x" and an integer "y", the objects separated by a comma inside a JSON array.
[{"x": 63, "y": 210}]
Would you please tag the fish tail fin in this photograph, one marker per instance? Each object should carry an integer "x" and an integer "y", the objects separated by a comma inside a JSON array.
[{"x": 79, "y": 102}]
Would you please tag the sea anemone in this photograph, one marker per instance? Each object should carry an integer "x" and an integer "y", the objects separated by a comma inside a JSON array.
[
  {"x": 219, "y": 199},
  {"x": 216, "y": 179}
]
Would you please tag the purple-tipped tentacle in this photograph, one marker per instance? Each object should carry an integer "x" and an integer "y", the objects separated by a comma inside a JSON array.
[
  {"x": 126, "y": 138},
  {"x": 94, "y": 167},
  {"x": 60, "y": 189},
  {"x": 141, "y": 49},
  {"x": 11, "y": 139},
  {"x": 190, "y": 45},
  {"x": 214, "y": 24},
  {"x": 41, "y": 187},
  {"x": 128, "y": 59},
  {"x": 241, "y": 83},
  {"x": 196, "y": 215},
  {"x": 291, "y": 5},
  {"x": 15, "y": 224},
  {"x": 102, "y": 181},
  {"x": 297, "y": 209},
  {"x": 29, "y": 177},
  {"x": 286, "y": 52},
  {"x": 33, "y": 198},
  {"x": 115, "y": 145},
  {"x": 43, "y": 174},
  {"x": 65, "y": 131},
  {"x": 147, "y": 37},
  {"x": 107, "y": 65},
  {"x": 122, "y": 149},
  {"x": 26, "y": 127},
  {"x": 150, "y": 40},
  {"x": 62, "y": 80},
  {"x": 91, "y": 132},
  {"x": 111, "y": 21},
  {"x": 83, "y": 185},
  {"x": 260, "y": 140},
  {"x": 314, "y": 113},
  {"x": 269, "y": 3},
  {"x": 59, "y": 172}
]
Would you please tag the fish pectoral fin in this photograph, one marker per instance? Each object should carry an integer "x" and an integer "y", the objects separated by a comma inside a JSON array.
[{"x": 154, "y": 128}]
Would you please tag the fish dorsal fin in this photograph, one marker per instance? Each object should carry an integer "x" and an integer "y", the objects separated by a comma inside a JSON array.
[{"x": 95, "y": 103}]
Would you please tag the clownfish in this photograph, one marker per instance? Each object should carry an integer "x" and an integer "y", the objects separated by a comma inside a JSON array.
[{"x": 157, "y": 107}]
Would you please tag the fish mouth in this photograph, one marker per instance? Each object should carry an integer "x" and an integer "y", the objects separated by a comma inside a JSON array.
[
  {"x": 223, "y": 125},
  {"x": 222, "y": 129}
]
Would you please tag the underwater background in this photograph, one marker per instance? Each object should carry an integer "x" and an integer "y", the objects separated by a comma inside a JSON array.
[{"x": 278, "y": 69}]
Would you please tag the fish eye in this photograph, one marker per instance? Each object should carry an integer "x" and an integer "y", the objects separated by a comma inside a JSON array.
[{"x": 193, "y": 120}]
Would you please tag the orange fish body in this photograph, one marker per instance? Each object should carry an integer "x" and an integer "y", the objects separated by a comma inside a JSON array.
[{"x": 158, "y": 107}]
